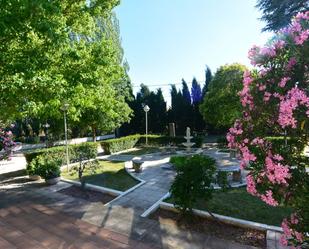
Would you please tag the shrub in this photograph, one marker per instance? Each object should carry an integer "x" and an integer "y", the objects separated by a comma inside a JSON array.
[
  {"x": 46, "y": 166},
  {"x": 118, "y": 144},
  {"x": 59, "y": 152},
  {"x": 193, "y": 181},
  {"x": 222, "y": 180},
  {"x": 85, "y": 152},
  {"x": 124, "y": 143}
]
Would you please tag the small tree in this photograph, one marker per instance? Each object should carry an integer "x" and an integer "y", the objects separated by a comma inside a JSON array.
[
  {"x": 193, "y": 181},
  {"x": 275, "y": 100},
  {"x": 85, "y": 152}
]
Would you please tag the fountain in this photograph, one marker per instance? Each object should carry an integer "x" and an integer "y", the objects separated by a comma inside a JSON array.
[{"x": 188, "y": 144}]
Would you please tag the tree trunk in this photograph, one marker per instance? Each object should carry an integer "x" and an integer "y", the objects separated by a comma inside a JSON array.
[{"x": 94, "y": 137}]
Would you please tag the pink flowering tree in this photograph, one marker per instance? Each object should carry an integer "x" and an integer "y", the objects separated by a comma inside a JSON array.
[
  {"x": 275, "y": 100},
  {"x": 6, "y": 144}
]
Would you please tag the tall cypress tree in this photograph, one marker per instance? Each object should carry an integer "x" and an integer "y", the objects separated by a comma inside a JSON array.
[
  {"x": 208, "y": 78},
  {"x": 196, "y": 93}
]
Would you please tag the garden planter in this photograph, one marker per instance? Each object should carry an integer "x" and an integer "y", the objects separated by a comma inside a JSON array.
[{"x": 53, "y": 181}]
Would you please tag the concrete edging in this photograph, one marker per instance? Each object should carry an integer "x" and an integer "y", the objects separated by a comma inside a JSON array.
[
  {"x": 142, "y": 182},
  {"x": 155, "y": 206},
  {"x": 94, "y": 187},
  {"x": 227, "y": 219}
]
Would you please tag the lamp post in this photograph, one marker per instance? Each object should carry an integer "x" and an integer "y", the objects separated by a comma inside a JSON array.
[
  {"x": 65, "y": 108},
  {"x": 46, "y": 126},
  {"x": 146, "y": 109}
]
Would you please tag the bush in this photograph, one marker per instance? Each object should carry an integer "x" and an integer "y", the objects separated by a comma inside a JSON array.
[
  {"x": 46, "y": 166},
  {"x": 222, "y": 180},
  {"x": 124, "y": 143},
  {"x": 193, "y": 181},
  {"x": 118, "y": 144},
  {"x": 59, "y": 152}
]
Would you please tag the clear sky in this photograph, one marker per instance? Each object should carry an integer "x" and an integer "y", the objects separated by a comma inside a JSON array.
[{"x": 167, "y": 40}]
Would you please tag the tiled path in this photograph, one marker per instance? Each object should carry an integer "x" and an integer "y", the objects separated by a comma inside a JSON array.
[{"x": 34, "y": 216}]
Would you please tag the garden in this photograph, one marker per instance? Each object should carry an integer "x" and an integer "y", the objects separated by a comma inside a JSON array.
[{"x": 227, "y": 161}]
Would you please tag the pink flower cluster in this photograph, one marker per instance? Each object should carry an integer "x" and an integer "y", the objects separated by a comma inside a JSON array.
[
  {"x": 245, "y": 95},
  {"x": 283, "y": 81},
  {"x": 276, "y": 172},
  {"x": 234, "y": 131},
  {"x": 251, "y": 187},
  {"x": 289, "y": 232},
  {"x": 294, "y": 98},
  {"x": 269, "y": 199},
  {"x": 295, "y": 29},
  {"x": 6, "y": 143}
]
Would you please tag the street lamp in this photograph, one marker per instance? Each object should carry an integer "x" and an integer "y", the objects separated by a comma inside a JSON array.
[
  {"x": 65, "y": 108},
  {"x": 146, "y": 109},
  {"x": 46, "y": 126}
]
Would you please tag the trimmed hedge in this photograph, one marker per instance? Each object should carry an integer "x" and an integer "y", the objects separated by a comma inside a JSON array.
[
  {"x": 128, "y": 142},
  {"x": 59, "y": 152}
]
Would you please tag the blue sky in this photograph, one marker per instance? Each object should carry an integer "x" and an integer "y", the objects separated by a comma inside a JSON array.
[{"x": 167, "y": 40}]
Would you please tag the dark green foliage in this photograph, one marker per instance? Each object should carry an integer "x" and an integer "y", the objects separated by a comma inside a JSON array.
[
  {"x": 128, "y": 142},
  {"x": 118, "y": 144},
  {"x": 59, "y": 152},
  {"x": 208, "y": 78},
  {"x": 278, "y": 13},
  {"x": 221, "y": 105},
  {"x": 46, "y": 166},
  {"x": 192, "y": 182},
  {"x": 157, "y": 116},
  {"x": 222, "y": 180},
  {"x": 222, "y": 142}
]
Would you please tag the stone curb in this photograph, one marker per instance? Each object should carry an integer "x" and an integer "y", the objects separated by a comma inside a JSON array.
[
  {"x": 155, "y": 206},
  {"x": 227, "y": 219},
  {"x": 95, "y": 187}
]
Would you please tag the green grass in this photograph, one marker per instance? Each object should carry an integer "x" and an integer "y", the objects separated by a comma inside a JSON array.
[
  {"x": 238, "y": 203},
  {"x": 108, "y": 174},
  {"x": 142, "y": 151}
]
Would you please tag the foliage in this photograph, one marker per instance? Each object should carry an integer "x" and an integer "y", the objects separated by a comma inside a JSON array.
[
  {"x": 157, "y": 116},
  {"x": 46, "y": 166},
  {"x": 6, "y": 144},
  {"x": 208, "y": 79},
  {"x": 193, "y": 181},
  {"x": 57, "y": 51},
  {"x": 84, "y": 153},
  {"x": 222, "y": 180},
  {"x": 221, "y": 105},
  {"x": 278, "y": 13},
  {"x": 275, "y": 101},
  {"x": 128, "y": 142},
  {"x": 59, "y": 152}
]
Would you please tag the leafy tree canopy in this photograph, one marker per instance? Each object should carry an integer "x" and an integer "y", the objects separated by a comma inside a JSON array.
[
  {"x": 221, "y": 104},
  {"x": 56, "y": 51},
  {"x": 278, "y": 13}
]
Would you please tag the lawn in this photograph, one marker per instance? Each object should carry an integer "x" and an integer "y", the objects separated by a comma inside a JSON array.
[
  {"x": 108, "y": 174},
  {"x": 238, "y": 203},
  {"x": 141, "y": 151}
]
